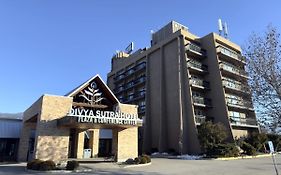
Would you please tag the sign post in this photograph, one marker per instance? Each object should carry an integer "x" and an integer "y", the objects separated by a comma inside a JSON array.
[{"x": 271, "y": 149}]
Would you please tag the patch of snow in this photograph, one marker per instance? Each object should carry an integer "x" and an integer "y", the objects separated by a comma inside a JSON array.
[
  {"x": 159, "y": 154},
  {"x": 189, "y": 157}
]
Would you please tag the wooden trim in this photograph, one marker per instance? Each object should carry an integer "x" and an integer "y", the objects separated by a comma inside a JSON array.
[{"x": 89, "y": 105}]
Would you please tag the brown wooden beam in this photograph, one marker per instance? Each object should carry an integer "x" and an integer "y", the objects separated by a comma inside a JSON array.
[{"x": 89, "y": 105}]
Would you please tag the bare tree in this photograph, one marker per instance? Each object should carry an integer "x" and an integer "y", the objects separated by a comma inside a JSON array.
[{"x": 263, "y": 55}]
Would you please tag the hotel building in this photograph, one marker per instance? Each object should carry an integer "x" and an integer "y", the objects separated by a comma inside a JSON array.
[{"x": 181, "y": 81}]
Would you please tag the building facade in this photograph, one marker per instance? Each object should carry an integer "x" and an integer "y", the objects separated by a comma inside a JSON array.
[
  {"x": 68, "y": 126},
  {"x": 181, "y": 81},
  {"x": 10, "y": 127}
]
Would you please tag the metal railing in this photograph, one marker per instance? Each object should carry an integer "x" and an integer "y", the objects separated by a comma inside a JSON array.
[
  {"x": 202, "y": 100},
  {"x": 239, "y": 102},
  {"x": 199, "y": 82},
  {"x": 231, "y": 68},
  {"x": 195, "y": 48},
  {"x": 242, "y": 121},
  {"x": 130, "y": 71},
  {"x": 196, "y": 64},
  {"x": 231, "y": 53},
  {"x": 199, "y": 119},
  {"x": 235, "y": 85}
]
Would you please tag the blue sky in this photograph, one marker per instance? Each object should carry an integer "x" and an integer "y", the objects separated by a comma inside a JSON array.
[{"x": 52, "y": 46}]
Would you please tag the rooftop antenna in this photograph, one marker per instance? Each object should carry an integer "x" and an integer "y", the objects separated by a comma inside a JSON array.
[
  {"x": 220, "y": 26},
  {"x": 225, "y": 30}
]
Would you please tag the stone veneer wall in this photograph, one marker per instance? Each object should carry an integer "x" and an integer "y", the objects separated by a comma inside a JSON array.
[
  {"x": 125, "y": 141},
  {"x": 52, "y": 142}
]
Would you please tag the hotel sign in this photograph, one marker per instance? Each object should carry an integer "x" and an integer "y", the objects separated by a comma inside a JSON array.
[{"x": 103, "y": 117}]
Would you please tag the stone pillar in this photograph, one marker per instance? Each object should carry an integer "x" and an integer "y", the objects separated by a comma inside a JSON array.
[
  {"x": 127, "y": 143},
  {"x": 80, "y": 144},
  {"x": 24, "y": 143},
  {"x": 51, "y": 141},
  {"x": 94, "y": 142}
]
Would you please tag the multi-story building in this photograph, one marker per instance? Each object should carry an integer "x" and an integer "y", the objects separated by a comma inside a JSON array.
[{"x": 181, "y": 81}]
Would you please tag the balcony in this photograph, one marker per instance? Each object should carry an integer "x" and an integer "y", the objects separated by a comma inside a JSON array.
[
  {"x": 235, "y": 86},
  {"x": 239, "y": 103},
  {"x": 198, "y": 83},
  {"x": 141, "y": 109},
  {"x": 230, "y": 55},
  {"x": 202, "y": 102},
  {"x": 120, "y": 76},
  {"x": 243, "y": 122},
  {"x": 134, "y": 97},
  {"x": 119, "y": 89},
  {"x": 195, "y": 50},
  {"x": 197, "y": 66},
  {"x": 140, "y": 80},
  {"x": 140, "y": 66},
  {"x": 232, "y": 70},
  {"x": 199, "y": 119}
]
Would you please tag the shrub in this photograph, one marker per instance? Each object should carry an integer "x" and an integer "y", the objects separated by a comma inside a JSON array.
[
  {"x": 72, "y": 165},
  {"x": 148, "y": 159},
  {"x": 130, "y": 161},
  {"x": 224, "y": 150},
  {"x": 257, "y": 140},
  {"x": 137, "y": 160},
  {"x": 34, "y": 164},
  {"x": 248, "y": 148},
  {"x": 210, "y": 135},
  {"x": 143, "y": 160},
  {"x": 47, "y": 165}
]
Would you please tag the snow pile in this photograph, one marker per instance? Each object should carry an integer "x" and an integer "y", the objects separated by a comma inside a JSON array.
[
  {"x": 171, "y": 156},
  {"x": 160, "y": 154},
  {"x": 189, "y": 157}
]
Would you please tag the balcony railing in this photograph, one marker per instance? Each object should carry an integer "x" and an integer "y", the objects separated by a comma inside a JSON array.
[
  {"x": 198, "y": 65},
  {"x": 233, "y": 69},
  {"x": 199, "y": 119},
  {"x": 239, "y": 103},
  {"x": 236, "y": 85},
  {"x": 130, "y": 84},
  {"x": 231, "y": 53},
  {"x": 139, "y": 80},
  {"x": 141, "y": 109},
  {"x": 202, "y": 101},
  {"x": 140, "y": 66},
  {"x": 243, "y": 121},
  {"x": 130, "y": 71},
  {"x": 195, "y": 48},
  {"x": 199, "y": 82}
]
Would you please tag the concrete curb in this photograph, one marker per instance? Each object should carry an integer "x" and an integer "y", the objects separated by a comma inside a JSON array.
[
  {"x": 138, "y": 165},
  {"x": 243, "y": 157},
  {"x": 59, "y": 171}
]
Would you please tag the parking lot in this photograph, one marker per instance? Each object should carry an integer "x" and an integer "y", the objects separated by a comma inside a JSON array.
[{"x": 159, "y": 166}]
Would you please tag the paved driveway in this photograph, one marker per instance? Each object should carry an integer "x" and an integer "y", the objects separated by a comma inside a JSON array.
[{"x": 159, "y": 166}]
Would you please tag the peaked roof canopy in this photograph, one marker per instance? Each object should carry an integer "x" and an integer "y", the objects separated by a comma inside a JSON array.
[{"x": 94, "y": 87}]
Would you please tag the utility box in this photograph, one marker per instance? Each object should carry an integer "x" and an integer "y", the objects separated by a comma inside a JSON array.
[{"x": 87, "y": 153}]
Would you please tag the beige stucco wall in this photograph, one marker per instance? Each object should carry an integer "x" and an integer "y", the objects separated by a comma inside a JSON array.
[{"x": 237, "y": 133}]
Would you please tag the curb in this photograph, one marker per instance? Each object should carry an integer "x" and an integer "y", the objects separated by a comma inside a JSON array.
[
  {"x": 243, "y": 157},
  {"x": 59, "y": 171},
  {"x": 138, "y": 165}
]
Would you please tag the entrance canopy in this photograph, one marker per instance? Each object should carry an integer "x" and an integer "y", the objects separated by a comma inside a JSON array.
[{"x": 95, "y": 106}]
